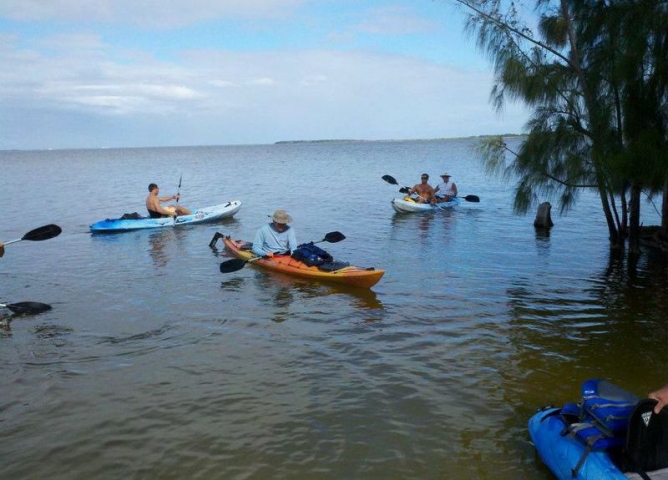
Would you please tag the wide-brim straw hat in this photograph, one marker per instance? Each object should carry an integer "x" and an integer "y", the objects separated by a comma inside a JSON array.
[{"x": 281, "y": 216}]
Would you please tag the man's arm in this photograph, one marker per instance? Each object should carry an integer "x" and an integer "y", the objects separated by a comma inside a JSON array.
[
  {"x": 258, "y": 242},
  {"x": 292, "y": 239},
  {"x": 154, "y": 204}
]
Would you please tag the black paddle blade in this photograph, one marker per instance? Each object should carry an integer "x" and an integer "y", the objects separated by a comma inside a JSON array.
[
  {"x": 32, "y": 308},
  {"x": 43, "y": 233},
  {"x": 472, "y": 198},
  {"x": 232, "y": 265},
  {"x": 389, "y": 179},
  {"x": 215, "y": 238},
  {"x": 333, "y": 237},
  {"x": 404, "y": 190}
]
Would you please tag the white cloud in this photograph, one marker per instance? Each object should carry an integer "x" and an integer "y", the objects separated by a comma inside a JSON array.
[
  {"x": 394, "y": 20},
  {"x": 266, "y": 82},
  {"x": 113, "y": 95},
  {"x": 150, "y": 13},
  {"x": 315, "y": 94}
]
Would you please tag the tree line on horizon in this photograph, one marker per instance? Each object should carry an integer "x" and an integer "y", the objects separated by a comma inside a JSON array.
[{"x": 595, "y": 73}]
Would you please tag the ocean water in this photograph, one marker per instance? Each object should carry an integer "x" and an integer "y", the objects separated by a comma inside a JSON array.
[{"x": 153, "y": 364}]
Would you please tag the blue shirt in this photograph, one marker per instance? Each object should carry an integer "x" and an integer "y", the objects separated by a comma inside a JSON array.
[{"x": 268, "y": 239}]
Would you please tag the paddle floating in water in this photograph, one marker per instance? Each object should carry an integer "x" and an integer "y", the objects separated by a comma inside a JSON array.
[
  {"x": 26, "y": 308},
  {"x": 41, "y": 233}
]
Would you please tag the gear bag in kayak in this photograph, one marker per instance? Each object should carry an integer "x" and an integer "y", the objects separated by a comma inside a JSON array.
[{"x": 311, "y": 255}]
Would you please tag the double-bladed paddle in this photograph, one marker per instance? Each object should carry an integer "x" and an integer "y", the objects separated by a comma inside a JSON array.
[
  {"x": 41, "y": 233},
  {"x": 31, "y": 308},
  {"x": 391, "y": 180},
  {"x": 238, "y": 263}
]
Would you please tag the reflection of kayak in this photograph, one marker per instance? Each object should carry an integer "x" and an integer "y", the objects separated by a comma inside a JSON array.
[
  {"x": 348, "y": 275},
  {"x": 201, "y": 215},
  {"x": 404, "y": 205}
]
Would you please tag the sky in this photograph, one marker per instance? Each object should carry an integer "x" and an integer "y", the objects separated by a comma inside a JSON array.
[{"x": 144, "y": 73}]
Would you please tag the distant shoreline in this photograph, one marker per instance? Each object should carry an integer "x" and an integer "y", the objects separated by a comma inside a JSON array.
[
  {"x": 281, "y": 142},
  {"x": 343, "y": 140}
]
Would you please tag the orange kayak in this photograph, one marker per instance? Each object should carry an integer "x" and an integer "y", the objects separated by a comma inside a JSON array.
[{"x": 348, "y": 275}]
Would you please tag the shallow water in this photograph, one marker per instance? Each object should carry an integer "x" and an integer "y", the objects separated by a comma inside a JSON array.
[{"x": 153, "y": 364}]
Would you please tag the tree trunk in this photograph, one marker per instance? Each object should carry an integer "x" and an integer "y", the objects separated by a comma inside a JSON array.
[
  {"x": 634, "y": 221},
  {"x": 664, "y": 211}
]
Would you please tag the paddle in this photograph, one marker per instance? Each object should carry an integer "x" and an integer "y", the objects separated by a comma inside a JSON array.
[
  {"x": 27, "y": 307},
  {"x": 237, "y": 263},
  {"x": 390, "y": 179},
  {"x": 41, "y": 233},
  {"x": 178, "y": 192}
]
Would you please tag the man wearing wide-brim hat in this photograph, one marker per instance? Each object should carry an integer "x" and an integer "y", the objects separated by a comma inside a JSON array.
[
  {"x": 446, "y": 190},
  {"x": 276, "y": 237}
]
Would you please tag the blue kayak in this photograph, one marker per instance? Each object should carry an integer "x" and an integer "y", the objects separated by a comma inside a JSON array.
[
  {"x": 201, "y": 215},
  {"x": 561, "y": 453}
]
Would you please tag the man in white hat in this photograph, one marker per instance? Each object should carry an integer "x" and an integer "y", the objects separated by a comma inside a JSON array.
[
  {"x": 446, "y": 190},
  {"x": 275, "y": 237}
]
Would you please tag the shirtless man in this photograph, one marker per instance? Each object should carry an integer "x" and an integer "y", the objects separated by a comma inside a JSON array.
[
  {"x": 423, "y": 190},
  {"x": 155, "y": 210}
]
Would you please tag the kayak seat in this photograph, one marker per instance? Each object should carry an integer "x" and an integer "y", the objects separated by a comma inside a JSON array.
[
  {"x": 131, "y": 216},
  {"x": 333, "y": 266}
]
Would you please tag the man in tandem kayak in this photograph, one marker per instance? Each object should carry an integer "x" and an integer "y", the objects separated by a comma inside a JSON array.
[
  {"x": 275, "y": 237},
  {"x": 155, "y": 210},
  {"x": 423, "y": 190},
  {"x": 446, "y": 190}
]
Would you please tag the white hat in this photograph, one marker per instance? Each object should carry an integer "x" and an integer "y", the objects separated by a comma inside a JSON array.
[{"x": 281, "y": 216}]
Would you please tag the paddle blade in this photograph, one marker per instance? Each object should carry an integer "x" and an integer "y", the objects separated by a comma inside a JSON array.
[
  {"x": 30, "y": 308},
  {"x": 472, "y": 198},
  {"x": 232, "y": 265},
  {"x": 333, "y": 237},
  {"x": 404, "y": 190},
  {"x": 215, "y": 238},
  {"x": 42, "y": 233},
  {"x": 389, "y": 179}
]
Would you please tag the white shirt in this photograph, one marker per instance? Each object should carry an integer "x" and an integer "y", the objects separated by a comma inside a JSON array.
[{"x": 446, "y": 189}]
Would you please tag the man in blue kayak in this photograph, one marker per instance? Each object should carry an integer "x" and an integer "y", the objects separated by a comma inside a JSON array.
[
  {"x": 275, "y": 237},
  {"x": 155, "y": 210},
  {"x": 446, "y": 190}
]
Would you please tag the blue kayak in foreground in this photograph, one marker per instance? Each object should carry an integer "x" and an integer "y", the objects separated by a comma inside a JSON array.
[
  {"x": 561, "y": 453},
  {"x": 404, "y": 205},
  {"x": 201, "y": 215}
]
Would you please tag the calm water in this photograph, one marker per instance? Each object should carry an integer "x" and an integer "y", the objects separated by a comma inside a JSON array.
[{"x": 153, "y": 364}]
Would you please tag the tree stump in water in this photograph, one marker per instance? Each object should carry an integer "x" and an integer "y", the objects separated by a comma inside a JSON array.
[{"x": 543, "y": 218}]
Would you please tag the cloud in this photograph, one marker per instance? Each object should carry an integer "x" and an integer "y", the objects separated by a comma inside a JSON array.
[
  {"x": 394, "y": 20},
  {"x": 117, "y": 86},
  {"x": 148, "y": 13},
  {"x": 314, "y": 94}
]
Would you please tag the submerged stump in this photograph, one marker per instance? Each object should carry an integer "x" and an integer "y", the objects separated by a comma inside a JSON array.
[{"x": 543, "y": 218}]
